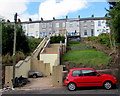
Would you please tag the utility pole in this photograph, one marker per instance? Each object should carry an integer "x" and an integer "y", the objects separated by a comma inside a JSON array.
[{"x": 14, "y": 49}]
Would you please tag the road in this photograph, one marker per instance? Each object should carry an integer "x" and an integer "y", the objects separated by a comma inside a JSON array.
[{"x": 64, "y": 90}]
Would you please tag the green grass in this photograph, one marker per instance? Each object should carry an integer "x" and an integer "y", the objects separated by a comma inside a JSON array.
[
  {"x": 87, "y": 57},
  {"x": 33, "y": 43},
  {"x": 78, "y": 45},
  {"x": 73, "y": 42}
]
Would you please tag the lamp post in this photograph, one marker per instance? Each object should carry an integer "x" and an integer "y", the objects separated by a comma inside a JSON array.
[{"x": 14, "y": 48}]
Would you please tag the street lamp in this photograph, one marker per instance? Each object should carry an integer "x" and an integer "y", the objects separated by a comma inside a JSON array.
[{"x": 14, "y": 48}]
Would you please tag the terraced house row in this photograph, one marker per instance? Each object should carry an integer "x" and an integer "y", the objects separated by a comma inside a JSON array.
[{"x": 83, "y": 27}]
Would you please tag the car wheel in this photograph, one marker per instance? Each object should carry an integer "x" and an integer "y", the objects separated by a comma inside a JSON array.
[
  {"x": 108, "y": 85},
  {"x": 34, "y": 76},
  {"x": 71, "y": 86}
]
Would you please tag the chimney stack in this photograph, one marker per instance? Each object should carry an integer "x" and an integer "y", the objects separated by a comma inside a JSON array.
[
  {"x": 78, "y": 16},
  {"x": 30, "y": 19},
  {"x": 66, "y": 17},
  {"x": 19, "y": 20},
  {"x": 41, "y": 19},
  {"x": 53, "y": 18}
]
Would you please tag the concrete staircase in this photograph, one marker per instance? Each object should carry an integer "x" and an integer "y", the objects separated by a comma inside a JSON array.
[
  {"x": 53, "y": 49},
  {"x": 51, "y": 55}
]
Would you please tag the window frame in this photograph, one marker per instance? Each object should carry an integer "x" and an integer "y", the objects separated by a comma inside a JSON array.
[
  {"x": 89, "y": 73},
  {"x": 79, "y": 74}
]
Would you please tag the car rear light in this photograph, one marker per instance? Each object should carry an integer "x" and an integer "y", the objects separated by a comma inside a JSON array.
[
  {"x": 66, "y": 78},
  {"x": 115, "y": 78}
]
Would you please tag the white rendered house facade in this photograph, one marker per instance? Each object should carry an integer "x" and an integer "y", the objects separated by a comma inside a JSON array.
[{"x": 83, "y": 27}]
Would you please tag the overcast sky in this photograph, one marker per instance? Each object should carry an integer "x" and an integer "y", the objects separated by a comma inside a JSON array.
[{"x": 35, "y": 9}]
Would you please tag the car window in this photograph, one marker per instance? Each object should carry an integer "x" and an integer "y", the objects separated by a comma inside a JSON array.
[
  {"x": 76, "y": 73},
  {"x": 89, "y": 73}
]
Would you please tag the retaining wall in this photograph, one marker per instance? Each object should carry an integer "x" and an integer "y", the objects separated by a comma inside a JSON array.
[
  {"x": 39, "y": 66},
  {"x": 23, "y": 66}
]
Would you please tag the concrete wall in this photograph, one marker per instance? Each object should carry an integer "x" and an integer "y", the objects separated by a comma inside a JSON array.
[
  {"x": 8, "y": 75},
  {"x": 37, "y": 65},
  {"x": 49, "y": 58},
  {"x": 57, "y": 76},
  {"x": 22, "y": 67}
]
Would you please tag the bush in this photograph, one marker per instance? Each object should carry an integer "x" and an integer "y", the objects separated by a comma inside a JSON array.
[
  {"x": 8, "y": 59},
  {"x": 33, "y": 43},
  {"x": 92, "y": 38},
  {"x": 57, "y": 39},
  {"x": 20, "y": 56},
  {"x": 102, "y": 39},
  {"x": 74, "y": 42}
]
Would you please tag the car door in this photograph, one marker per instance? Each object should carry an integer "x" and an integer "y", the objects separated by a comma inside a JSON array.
[
  {"x": 90, "y": 78},
  {"x": 77, "y": 77}
]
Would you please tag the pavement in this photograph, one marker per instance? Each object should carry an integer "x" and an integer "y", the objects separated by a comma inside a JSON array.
[
  {"x": 44, "y": 86},
  {"x": 64, "y": 90}
]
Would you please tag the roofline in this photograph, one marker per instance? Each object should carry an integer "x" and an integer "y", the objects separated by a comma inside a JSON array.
[
  {"x": 67, "y": 20},
  {"x": 80, "y": 68}
]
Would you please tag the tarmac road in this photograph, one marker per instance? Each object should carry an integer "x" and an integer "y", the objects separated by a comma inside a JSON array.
[{"x": 64, "y": 90}]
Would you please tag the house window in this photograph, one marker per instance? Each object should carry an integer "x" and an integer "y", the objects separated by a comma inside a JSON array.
[
  {"x": 69, "y": 33},
  {"x": 92, "y": 32},
  {"x": 43, "y": 34},
  {"x": 77, "y": 24},
  {"x": 50, "y": 32},
  {"x": 99, "y": 23},
  {"x": 31, "y": 25},
  {"x": 24, "y": 27},
  {"x": 43, "y": 25},
  {"x": 63, "y": 25},
  {"x": 85, "y": 32},
  {"x": 57, "y": 24},
  {"x": 36, "y": 33},
  {"x": 107, "y": 25},
  {"x": 70, "y": 25},
  {"x": 57, "y": 32},
  {"x": 50, "y": 25}
]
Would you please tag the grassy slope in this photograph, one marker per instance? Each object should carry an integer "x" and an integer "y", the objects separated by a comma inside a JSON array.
[
  {"x": 88, "y": 56},
  {"x": 78, "y": 45}
]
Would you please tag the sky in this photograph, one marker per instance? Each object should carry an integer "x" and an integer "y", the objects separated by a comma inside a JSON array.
[{"x": 47, "y": 9}]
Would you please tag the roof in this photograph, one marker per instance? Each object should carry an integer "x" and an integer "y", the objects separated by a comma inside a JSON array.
[
  {"x": 67, "y": 20},
  {"x": 80, "y": 69}
]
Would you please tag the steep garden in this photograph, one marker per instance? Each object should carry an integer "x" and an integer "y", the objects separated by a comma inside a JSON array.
[{"x": 84, "y": 55}]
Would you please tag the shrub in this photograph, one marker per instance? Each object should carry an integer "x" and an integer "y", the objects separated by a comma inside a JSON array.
[
  {"x": 8, "y": 59},
  {"x": 104, "y": 39},
  {"x": 33, "y": 43},
  {"x": 93, "y": 38},
  {"x": 57, "y": 39},
  {"x": 20, "y": 56},
  {"x": 74, "y": 42}
]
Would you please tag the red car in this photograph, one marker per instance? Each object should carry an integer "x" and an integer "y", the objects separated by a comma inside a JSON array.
[{"x": 86, "y": 77}]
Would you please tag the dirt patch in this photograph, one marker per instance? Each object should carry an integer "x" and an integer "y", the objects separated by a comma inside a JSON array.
[
  {"x": 70, "y": 65},
  {"x": 38, "y": 83}
]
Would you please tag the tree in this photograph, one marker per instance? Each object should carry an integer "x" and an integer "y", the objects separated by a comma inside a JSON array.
[
  {"x": 114, "y": 20},
  {"x": 8, "y": 36},
  {"x": 114, "y": 13}
]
